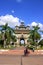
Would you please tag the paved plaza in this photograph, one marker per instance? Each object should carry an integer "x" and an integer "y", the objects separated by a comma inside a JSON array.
[
  {"x": 21, "y": 60},
  {"x": 16, "y": 57}
]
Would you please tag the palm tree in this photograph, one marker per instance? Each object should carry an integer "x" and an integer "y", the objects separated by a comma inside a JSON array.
[
  {"x": 34, "y": 35},
  {"x": 7, "y": 33},
  {"x": 41, "y": 43}
]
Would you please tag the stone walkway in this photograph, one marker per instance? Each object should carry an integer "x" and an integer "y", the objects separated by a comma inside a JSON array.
[
  {"x": 21, "y": 60},
  {"x": 16, "y": 57}
]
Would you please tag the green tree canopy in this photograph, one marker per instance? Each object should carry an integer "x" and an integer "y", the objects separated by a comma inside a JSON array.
[{"x": 34, "y": 35}]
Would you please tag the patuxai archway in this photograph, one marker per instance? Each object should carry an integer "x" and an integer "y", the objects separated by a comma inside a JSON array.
[{"x": 22, "y": 33}]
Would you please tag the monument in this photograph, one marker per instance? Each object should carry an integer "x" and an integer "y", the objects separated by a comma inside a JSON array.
[{"x": 22, "y": 33}]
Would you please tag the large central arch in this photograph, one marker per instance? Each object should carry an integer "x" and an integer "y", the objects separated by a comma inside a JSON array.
[
  {"x": 22, "y": 33},
  {"x": 22, "y": 41}
]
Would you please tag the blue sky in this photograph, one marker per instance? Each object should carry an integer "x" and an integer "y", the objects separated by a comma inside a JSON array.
[
  {"x": 27, "y": 10},
  {"x": 15, "y": 11}
]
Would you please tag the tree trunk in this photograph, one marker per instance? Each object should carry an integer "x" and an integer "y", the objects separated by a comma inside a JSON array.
[{"x": 4, "y": 43}]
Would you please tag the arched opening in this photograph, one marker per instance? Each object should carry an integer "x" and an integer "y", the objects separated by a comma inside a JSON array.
[{"x": 22, "y": 41}]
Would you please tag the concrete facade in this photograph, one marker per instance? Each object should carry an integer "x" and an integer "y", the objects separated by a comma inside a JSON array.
[{"x": 22, "y": 33}]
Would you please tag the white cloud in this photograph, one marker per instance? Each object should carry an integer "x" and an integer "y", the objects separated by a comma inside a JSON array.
[
  {"x": 19, "y": 1},
  {"x": 21, "y": 21},
  {"x": 11, "y": 20},
  {"x": 41, "y": 26},
  {"x": 42, "y": 36},
  {"x": 12, "y": 11},
  {"x": 35, "y": 24}
]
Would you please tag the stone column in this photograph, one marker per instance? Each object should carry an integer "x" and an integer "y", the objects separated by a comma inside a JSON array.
[
  {"x": 18, "y": 42},
  {"x": 25, "y": 41}
]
